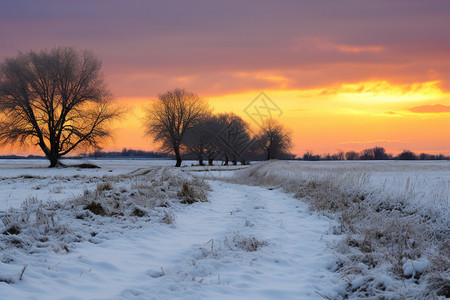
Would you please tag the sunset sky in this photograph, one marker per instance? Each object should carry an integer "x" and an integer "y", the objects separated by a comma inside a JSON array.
[{"x": 346, "y": 74}]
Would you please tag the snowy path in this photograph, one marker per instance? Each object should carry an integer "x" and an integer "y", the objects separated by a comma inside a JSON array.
[{"x": 193, "y": 259}]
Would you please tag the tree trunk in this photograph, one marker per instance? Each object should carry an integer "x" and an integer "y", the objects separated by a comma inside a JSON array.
[
  {"x": 234, "y": 162},
  {"x": 226, "y": 160},
  {"x": 268, "y": 155},
  {"x": 176, "y": 149},
  {"x": 200, "y": 158},
  {"x": 54, "y": 161},
  {"x": 210, "y": 161}
]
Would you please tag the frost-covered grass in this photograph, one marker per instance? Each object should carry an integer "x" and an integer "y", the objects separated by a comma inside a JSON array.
[
  {"x": 130, "y": 235},
  {"x": 117, "y": 204},
  {"x": 138, "y": 229},
  {"x": 394, "y": 218},
  {"x": 31, "y": 178}
]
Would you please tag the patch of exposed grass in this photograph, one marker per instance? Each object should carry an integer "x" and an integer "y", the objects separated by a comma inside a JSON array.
[
  {"x": 138, "y": 212},
  {"x": 95, "y": 208},
  {"x": 168, "y": 218},
  {"x": 14, "y": 229},
  {"x": 104, "y": 186},
  {"x": 249, "y": 244},
  {"x": 191, "y": 193}
]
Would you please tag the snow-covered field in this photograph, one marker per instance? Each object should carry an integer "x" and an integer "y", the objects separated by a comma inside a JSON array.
[
  {"x": 26, "y": 178},
  {"x": 393, "y": 217},
  {"x": 255, "y": 241}
]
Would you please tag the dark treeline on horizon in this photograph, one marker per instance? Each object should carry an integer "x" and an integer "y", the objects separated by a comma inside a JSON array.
[
  {"x": 130, "y": 153},
  {"x": 375, "y": 153}
]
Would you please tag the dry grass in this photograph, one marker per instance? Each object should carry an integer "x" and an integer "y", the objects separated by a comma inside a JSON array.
[
  {"x": 248, "y": 243},
  {"x": 190, "y": 193},
  {"x": 104, "y": 186},
  {"x": 131, "y": 200},
  {"x": 95, "y": 208},
  {"x": 382, "y": 229},
  {"x": 168, "y": 218}
]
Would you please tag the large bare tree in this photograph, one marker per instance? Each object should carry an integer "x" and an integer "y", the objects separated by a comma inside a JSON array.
[
  {"x": 171, "y": 115},
  {"x": 273, "y": 139},
  {"x": 55, "y": 99}
]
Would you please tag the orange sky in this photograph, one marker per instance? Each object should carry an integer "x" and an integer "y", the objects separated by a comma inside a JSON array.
[
  {"x": 346, "y": 74},
  {"x": 346, "y": 117}
]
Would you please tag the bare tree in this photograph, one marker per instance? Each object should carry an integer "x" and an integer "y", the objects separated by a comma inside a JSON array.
[
  {"x": 352, "y": 155},
  {"x": 233, "y": 139},
  {"x": 273, "y": 139},
  {"x": 376, "y": 153},
  {"x": 173, "y": 113},
  {"x": 407, "y": 155},
  {"x": 55, "y": 99},
  {"x": 309, "y": 155},
  {"x": 197, "y": 138},
  {"x": 203, "y": 139},
  {"x": 213, "y": 149}
]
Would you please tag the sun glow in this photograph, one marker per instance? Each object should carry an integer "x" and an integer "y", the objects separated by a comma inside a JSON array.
[{"x": 348, "y": 117}]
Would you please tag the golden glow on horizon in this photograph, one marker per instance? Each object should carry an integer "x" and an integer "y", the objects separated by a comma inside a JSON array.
[{"x": 348, "y": 117}]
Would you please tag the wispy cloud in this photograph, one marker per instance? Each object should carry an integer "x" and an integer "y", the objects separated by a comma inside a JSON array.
[
  {"x": 392, "y": 113},
  {"x": 358, "y": 49},
  {"x": 430, "y": 109}
]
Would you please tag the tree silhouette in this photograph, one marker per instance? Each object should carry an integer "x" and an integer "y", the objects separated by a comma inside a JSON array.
[
  {"x": 273, "y": 139},
  {"x": 171, "y": 116},
  {"x": 233, "y": 139},
  {"x": 54, "y": 99}
]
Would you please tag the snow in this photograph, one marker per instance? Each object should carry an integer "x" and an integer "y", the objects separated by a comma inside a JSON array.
[
  {"x": 247, "y": 242},
  {"x": 21, "y": 179},
  {"x": 387, "y": 211},
  {"x": 413, "y": 267},
  {"x": 206, "y": 254}
]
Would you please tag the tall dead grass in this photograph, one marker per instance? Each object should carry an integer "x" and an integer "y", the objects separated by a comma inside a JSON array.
[{"x": 383, "y": 229}]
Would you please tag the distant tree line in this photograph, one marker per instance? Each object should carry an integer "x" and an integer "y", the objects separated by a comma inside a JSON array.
[
  {"x": 127, "y": 153},
  {"x": 21, "y": 157},
  {"x": 375, "y": 153}
]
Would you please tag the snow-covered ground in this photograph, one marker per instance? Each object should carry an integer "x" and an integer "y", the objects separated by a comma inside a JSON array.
[
  {"x": 247, "y": 242},
  {"x": 31, "y": 178},
  {"x": 393, "y": 217}
]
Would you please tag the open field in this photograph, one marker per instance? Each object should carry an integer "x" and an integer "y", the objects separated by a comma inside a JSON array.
[{"x": 293, "y": 230}]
